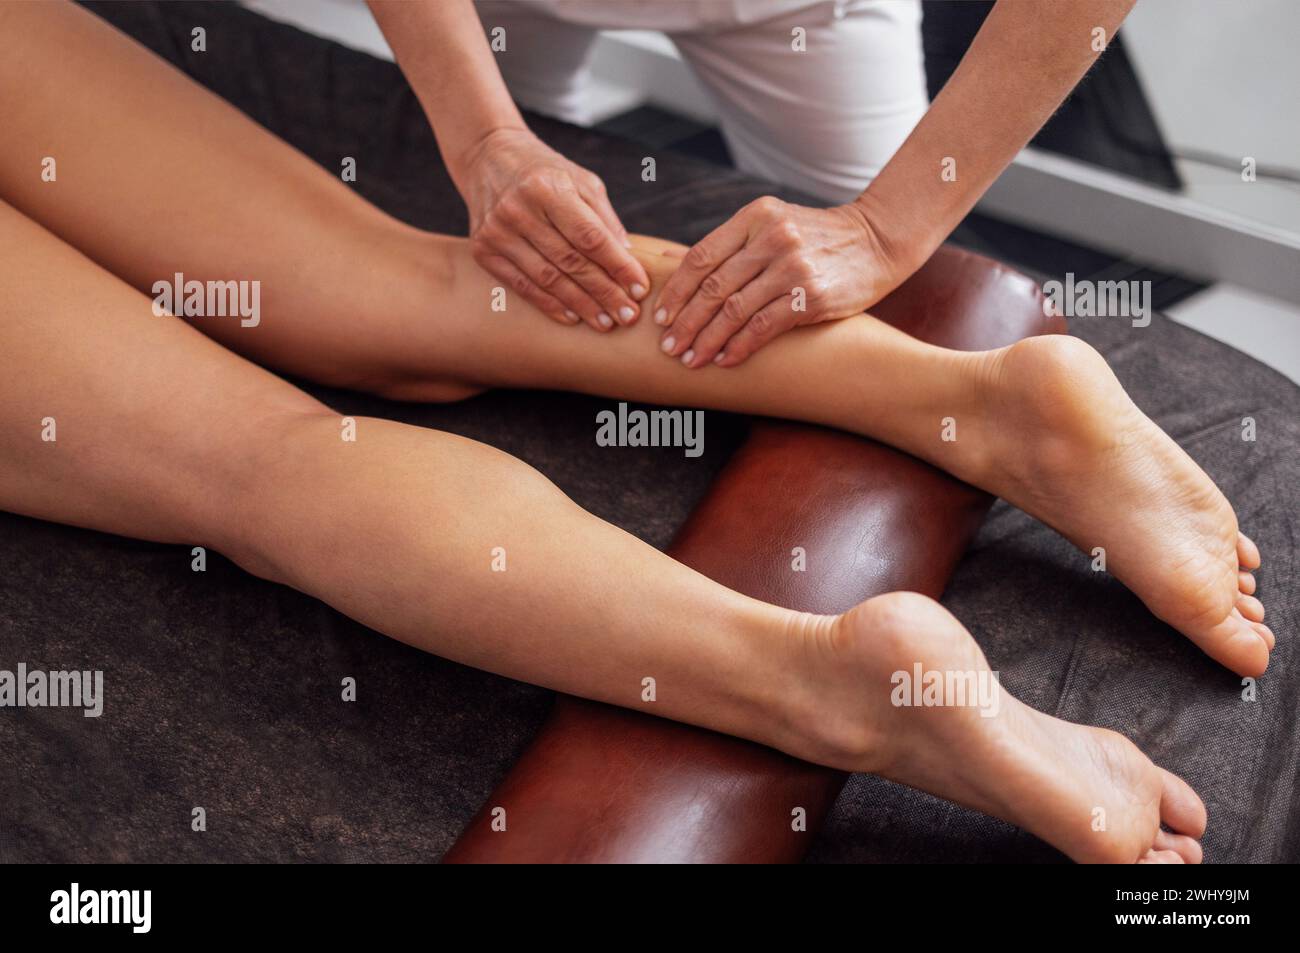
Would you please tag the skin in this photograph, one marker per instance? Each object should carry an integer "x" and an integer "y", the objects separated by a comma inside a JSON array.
[
  {"x": 539, "y": 222},
  {"x": 544, "y": 225},
  {"x": 164, "y": 434},
  {"x": 734, "y": 292}
]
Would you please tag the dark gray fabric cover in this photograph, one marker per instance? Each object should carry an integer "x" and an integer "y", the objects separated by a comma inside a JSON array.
[{"x": 223, "y": 690}]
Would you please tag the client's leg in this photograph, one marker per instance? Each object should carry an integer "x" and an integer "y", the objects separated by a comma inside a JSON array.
[
  {"x": 118, "y": 420},
  {"x": 157, "y": 176}
]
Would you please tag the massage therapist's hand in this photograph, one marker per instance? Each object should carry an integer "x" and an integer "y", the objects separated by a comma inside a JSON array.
[
  {"x": 544, "y": 225},
  {"x": 771, "y": 267}
]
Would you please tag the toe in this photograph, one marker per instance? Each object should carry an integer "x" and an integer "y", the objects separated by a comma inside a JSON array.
[
  {"x": 1246, "y": 583},
  {"x": 1251, "y": 608},
  {"x": 1265, "y": 633},
  {"x": 1247, "y": 552},
  {"x": 1181, "y": 809},
  {"x": 1188, "y": 848},
  {"x": 1235, "y": 643},
  {"x": 1161, "y": 857}
]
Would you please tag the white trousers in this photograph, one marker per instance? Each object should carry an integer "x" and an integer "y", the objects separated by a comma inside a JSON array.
[{"x": 823, "y": 119}]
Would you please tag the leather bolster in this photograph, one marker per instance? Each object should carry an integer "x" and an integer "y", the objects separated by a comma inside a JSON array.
[{"x": 605, "y": 784}]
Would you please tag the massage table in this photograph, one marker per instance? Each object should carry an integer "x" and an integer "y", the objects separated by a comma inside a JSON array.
[{"x": 222, "y": 690}]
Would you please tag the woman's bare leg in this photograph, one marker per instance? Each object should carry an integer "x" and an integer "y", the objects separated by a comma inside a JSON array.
[
  {"x": 117, "y": 419},
  {"x": 157, "y": 176}
]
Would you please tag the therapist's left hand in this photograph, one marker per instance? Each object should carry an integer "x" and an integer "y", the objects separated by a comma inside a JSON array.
[{"x": 771, "y": 267}]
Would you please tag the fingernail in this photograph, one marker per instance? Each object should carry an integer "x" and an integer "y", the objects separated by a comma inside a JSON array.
[
  {"x": 570, "y": 315},
  {"x": 661, "y": 316},
  {"x": 669, "y": 344},
  {"x": 626, "y": 314},
  {"x": 638, "y": 290},
  {"x": 688, "y": 357},
  {"x": 605, "y": 320}
]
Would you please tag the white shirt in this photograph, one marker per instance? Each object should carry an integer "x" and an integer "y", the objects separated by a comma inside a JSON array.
[{"x": 673, "y": 16}]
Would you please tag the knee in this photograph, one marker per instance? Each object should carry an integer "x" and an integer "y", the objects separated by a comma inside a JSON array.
[{"x": 264, "y": 463}]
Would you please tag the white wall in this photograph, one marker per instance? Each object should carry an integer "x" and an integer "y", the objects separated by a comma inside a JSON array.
[{"x": 1223, "y": 76}]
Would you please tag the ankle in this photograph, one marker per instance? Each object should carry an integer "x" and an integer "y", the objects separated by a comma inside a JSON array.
[
  {"x": 822, "y": 714},
  {"x": 970, "y": 433},
  {"x": 947, "y": 408},
  {"x": 1045, "y": 397},
  {"x": 1015, "y": 414}
]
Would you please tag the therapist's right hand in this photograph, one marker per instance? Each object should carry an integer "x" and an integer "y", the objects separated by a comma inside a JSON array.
[{"x": 544, "y": 226}]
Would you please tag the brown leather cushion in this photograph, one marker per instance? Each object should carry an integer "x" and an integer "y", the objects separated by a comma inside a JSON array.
[{"x": 606, "y": 784}]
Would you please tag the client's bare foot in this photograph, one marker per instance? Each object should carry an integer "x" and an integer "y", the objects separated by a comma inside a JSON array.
[
  {"x": 1069, "y": 447},
  {"x": 1087, "y": 791},
  {"x": 1047, "y": 427}
]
